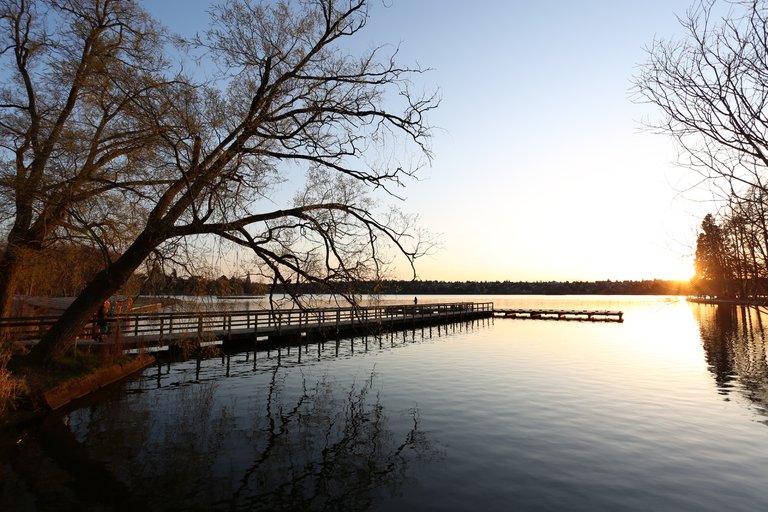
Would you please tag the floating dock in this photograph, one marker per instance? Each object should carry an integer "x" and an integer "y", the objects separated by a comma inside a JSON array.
[{"x": 558, "y": 314}]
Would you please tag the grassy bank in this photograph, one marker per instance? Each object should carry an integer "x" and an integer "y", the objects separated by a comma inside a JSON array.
[{"x": 27, "y": 388}]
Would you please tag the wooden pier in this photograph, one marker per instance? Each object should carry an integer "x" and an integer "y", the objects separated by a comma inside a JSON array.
[
  {"x": 164, "y": 330},
  {"x": 556, "y": 314},
  {"x": 133, "y": 331}
]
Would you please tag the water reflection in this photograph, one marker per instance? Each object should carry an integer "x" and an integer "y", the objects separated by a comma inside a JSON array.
[
  {"x": 259, "y": 430},
  {"x": 496, "y": 415},
  {"x": 734, "y": 343},
  {"x": 336, "y": 454}
]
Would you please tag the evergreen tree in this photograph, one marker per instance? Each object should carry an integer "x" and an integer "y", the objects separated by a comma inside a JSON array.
[{"x": 713, "y": 273}]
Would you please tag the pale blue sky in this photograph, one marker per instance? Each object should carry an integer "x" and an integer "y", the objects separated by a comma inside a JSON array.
[{"x": 542, "y": 170}]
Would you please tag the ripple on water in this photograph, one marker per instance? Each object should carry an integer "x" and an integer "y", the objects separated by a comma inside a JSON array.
[{"x": 496, "y": 415}]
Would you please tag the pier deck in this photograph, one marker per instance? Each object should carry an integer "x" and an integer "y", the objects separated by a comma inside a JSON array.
[
  {"x": 166, "y": 329},
  {"x": 136, "y": 331},
  {"x": 558, "y": 314}
]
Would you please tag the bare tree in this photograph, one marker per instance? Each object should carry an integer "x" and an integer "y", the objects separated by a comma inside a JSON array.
[
  {"x": 77, "y": 123},
  {"x": 287, "y": 96},
  {"x": 712, "y": 88}
]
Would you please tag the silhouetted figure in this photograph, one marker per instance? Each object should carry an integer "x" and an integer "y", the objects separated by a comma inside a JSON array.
[
  {"x": 101, "y": 320},
  {"x": 415, "y": 301}
]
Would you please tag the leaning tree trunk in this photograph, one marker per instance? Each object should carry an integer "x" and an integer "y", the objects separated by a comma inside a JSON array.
[{"x": 61, "y": 336}]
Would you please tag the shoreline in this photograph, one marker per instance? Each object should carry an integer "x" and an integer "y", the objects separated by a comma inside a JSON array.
[
  {"x": 727, "y": 302},
  {"x": 39, "y": 401}
]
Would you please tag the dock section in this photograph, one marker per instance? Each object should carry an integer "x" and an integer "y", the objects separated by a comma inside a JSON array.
[
  {"x": 148, "y": 330},
  {"x": 559, "y": 314},
  {"x": 167, "y": 329}
]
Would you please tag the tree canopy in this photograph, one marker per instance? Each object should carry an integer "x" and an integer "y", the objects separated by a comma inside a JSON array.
[
  {"x": 711, "y": 87},
  {"x": 712, "y": 263},
  {"x": 199, "y": 157},
  {"x": 78, "y": 111}
]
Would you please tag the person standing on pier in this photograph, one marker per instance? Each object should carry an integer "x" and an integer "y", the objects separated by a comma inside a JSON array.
[
  {"x": 101, "y": 321},
  {"x": 415, "y": 301}
]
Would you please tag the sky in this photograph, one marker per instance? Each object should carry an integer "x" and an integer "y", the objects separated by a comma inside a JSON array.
[{"x": 543, "y": 169}]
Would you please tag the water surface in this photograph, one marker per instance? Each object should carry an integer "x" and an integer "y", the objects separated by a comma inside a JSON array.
[{"x": 666, "y": 411}]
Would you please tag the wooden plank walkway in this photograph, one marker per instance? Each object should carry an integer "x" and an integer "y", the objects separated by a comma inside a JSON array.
[
  {"x": 556, "y": 314},
  {"x": 145, "y": 330},
  {"x": 165, "y": 329}
]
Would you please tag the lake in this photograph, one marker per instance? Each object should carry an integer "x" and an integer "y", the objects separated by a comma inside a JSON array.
[{"x": 665, "y": 411}]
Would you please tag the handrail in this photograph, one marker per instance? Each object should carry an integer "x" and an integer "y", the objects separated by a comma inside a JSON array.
[{"x": 201, "y": 322}]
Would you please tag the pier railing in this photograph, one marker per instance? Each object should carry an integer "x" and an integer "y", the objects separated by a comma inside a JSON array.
[{"x": 224, "y": 323}]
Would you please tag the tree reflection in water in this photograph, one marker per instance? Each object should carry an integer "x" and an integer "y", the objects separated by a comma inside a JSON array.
[
  {"x": 734, "y": 339},
  {"x": 292, "y": 442}
]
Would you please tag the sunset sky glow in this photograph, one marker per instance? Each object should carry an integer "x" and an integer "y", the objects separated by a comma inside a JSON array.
[{"x": 542, "y": 169}]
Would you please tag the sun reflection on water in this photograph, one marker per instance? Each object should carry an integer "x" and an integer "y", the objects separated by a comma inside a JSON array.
[{"x": 665, "y": 411}]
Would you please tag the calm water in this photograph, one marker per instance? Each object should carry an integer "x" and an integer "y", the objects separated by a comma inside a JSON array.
[{"x": 666, "y": 411}]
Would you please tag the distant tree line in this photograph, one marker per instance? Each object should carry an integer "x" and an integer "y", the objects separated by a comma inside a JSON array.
[
  {"x": 644, "y": 287},
  {"x": 65, "y": 269},
  {"x": 158, "y": 283}
]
